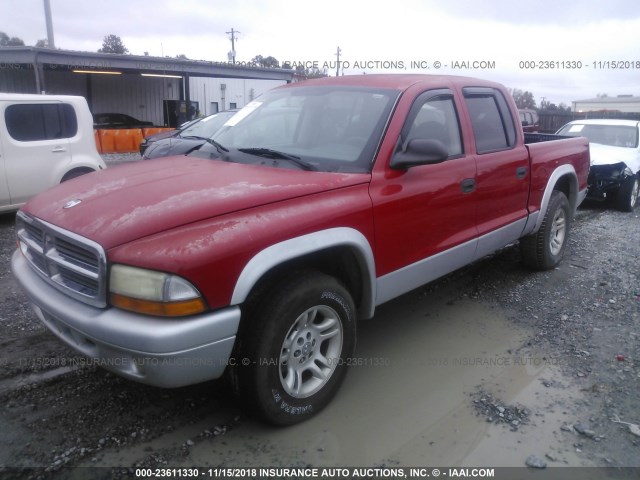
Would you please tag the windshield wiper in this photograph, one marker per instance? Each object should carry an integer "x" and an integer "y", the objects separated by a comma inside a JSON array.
[
  {"x": 193, "y": 137},
  {"x": 220, "y": 148},
  {"x": 276, "y": 155}
]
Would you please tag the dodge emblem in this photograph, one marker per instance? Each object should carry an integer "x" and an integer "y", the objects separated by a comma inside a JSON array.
[{"x": 72, "y": 203}]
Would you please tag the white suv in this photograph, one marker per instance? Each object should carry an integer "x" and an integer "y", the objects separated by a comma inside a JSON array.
[{"x": 44, "y": 140}]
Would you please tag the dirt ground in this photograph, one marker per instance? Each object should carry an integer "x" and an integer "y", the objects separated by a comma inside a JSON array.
[{"x": 494, "y": 365}]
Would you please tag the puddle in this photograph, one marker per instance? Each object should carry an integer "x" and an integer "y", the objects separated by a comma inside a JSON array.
[{"x": 410, "y": 404}]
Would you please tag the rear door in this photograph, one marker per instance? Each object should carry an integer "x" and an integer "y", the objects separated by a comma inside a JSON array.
[
  {"x": 503, "y": 169},
  {"x": 36, "y": 145}
]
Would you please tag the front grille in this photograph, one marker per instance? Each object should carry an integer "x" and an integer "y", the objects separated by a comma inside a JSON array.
[{"x": 73, "y": 264}]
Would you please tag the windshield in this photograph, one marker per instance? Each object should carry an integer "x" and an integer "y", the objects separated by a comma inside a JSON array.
[
  {"x": 613, "y": 135},
  {"x": 331, "y": 129},
  {"x": 207, "y": 126}
]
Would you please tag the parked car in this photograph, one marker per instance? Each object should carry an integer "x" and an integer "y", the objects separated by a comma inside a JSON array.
[
  {"x": 191, "y": 136},
  {"x": 313, "y": 205},
  {"x": 529, "y": 119},
  {"x": 118, "y": 120},
  {"x": 44, "y": 140},
  {"x": 615, "y": 159},
  {"x": 165, "y": 134}
]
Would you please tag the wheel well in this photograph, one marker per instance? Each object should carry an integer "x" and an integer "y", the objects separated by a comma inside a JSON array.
[
  {"x": 338, "y": 262},
  {"x": 567, "y": 184},
  {"x": 76, "y": 172},
  {"x": 563, "y": 185}
]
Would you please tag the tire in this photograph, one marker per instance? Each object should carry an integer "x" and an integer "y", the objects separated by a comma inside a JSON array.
[
  {"x": 543, "y": 250},
  {"x": 284, "y": 370},
  {"x": 78, "y": 172},
  {"x": 627, "y": 197}
]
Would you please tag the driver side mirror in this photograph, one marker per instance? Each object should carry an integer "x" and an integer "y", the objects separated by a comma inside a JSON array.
[{"x": 419, "y": 151}]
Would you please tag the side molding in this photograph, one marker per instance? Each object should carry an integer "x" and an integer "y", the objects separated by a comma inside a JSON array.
[{"x": 298, "y": 247}]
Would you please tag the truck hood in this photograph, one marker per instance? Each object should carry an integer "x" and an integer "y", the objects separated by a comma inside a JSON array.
[
  {"x": 608, "y": 155},
  {"x": 128, "y": 202}
]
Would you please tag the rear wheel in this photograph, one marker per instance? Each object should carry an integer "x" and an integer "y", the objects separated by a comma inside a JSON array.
[
  {"x": 292, "y": 354},
  {"x": 628, "y": 193},
  {"x": 543, "y": 250}
]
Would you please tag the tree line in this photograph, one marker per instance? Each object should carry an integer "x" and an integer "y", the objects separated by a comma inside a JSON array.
[{"x": 526, "y": 100}]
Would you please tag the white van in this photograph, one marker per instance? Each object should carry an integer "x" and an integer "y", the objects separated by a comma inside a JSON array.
[{"x": 44, "y": 140}]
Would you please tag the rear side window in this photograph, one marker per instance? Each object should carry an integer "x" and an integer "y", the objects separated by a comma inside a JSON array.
[
  {"x": 493, "y": 126},
  {"x": 48, "y": 121}
]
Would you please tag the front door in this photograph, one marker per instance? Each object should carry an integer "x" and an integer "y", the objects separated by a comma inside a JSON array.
[{"x": 425, "y": 216}]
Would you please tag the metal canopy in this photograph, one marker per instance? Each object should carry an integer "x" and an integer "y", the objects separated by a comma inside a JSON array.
[{"x": 61, "y": 60}]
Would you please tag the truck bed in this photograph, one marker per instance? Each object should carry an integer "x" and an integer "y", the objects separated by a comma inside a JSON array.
[
  {"x": 545, "y": 150},
  {"x": 542, "y": 137}
]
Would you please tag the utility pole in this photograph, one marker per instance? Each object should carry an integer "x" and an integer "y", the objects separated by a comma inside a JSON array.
[
  {"x": 232, "y": 53},
  {"x": 47, "y": 16},
  {"x": 338, "y": 52}
]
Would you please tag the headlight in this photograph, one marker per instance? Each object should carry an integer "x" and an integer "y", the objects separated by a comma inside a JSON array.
[
  {"x": 152, "y": 147},
  {"x": 153, "y": 293}
]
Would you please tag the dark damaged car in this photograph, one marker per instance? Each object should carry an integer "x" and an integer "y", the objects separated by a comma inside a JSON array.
[{"x": 183, "y": 141}]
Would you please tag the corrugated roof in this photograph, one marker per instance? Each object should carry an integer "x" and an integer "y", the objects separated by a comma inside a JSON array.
[{"x": 630, "y": 99}]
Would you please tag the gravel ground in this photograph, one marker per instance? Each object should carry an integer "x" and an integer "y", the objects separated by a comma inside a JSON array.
[
  {"x": 584, "y": 317},
  {"x": 586, "y": 314},
  {"x": 112, "y": 159},
  {"x": 594, "y": 320}
]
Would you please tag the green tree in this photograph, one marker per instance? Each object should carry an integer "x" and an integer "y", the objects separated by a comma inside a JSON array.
[
  {"x": 113, "y": 44},
  {"x": 42, "y": 43},
  {"x": 6, "y": 41},
  {"x": 266, "y": 62},
  {"x": 182, "y": 56},
  {"x": 308, "y": 73},
  {"x": 523, "y": 99}
]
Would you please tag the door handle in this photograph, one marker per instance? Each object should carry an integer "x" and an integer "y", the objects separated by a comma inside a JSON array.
[
  {"x": 58, "y": 149},
  {"x": 468, "y": 185},
  {"x": 521, "y": 172}
]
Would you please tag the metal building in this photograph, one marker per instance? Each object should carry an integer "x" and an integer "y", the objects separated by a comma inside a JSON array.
[
  {"x": 140, "y": 86},
  {"x": 621, "y": 103}
]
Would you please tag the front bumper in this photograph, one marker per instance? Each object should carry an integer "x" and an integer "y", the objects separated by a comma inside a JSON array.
[
  {"x": 156, "y": 351},
  {"x": 605, "y": 180}
]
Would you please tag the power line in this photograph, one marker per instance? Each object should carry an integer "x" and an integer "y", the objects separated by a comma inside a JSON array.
[{"x": 232, "y": 54}]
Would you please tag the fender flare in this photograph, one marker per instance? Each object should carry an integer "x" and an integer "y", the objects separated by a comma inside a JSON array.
[
  {"x": 574, "y": 195},
  {"x": 297, "y": 247}
]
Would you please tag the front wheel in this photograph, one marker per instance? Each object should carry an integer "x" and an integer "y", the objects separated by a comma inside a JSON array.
[
  {"x": 294, "y": 350},
  {"x": 543, "y": 250},
  {"x": 628, "y": 193}
]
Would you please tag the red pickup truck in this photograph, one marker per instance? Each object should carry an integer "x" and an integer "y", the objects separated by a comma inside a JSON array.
[{"x": 257, "y": 254}]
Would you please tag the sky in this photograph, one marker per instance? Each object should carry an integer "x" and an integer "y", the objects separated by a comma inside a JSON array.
[{"x": 559, "y": 51}]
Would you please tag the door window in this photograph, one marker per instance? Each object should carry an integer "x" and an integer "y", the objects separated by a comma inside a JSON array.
[
  {"x": 34, "y": 122},
  {"x": 437, "y": 120},
  {"x": 493, "y": 126}
]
